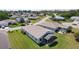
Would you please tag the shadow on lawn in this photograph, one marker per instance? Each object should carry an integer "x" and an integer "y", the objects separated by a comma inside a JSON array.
[{"x": 54, "y": 44}]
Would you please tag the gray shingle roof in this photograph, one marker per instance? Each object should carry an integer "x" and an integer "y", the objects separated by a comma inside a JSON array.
[
  {"x": 59, "y": 17},
  {"x": 52, "y": 25},
  {"x": 36, "y": 31},
  {"x": 75, "y": 18}
]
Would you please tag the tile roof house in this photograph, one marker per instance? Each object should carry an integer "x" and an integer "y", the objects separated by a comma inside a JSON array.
[{"x": 39, "y": 34}]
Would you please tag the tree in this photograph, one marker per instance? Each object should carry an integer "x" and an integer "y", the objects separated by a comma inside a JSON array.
[
  {"x": 3, "y": 15},
  {"x": 67, "y": 15},
  {"x": 69, "y": 29}
]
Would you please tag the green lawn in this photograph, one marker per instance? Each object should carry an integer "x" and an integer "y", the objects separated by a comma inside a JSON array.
[
  {"x": 16, "y": 25},
  {"x": 33, "y": 21},
  {"x": 66, "y": 41},
  {"x": 19, "y": 40}
]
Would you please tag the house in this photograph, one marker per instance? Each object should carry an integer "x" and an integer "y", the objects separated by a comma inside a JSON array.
[
  {"x": 51, "y": 26},
  {"x": 22, "y": 20},
  {"x": 75, "y": 19},
  {"x": 4, "y": 41},
  {"x": 62, "y": 31},
  {"x": 55, "y": 27},
  {"x": 14, "y": 16},
  {"x": 5, "y": 23},
  {"x": 32, "y": 16},
  {"x": 10, "y": 22},
  {"x": 39, "y": 34},
  {"x": 26, "y": 20},
  {"x": 59, "y": 18}
]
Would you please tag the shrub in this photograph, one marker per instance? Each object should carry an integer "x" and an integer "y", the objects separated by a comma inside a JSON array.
[
  {"x": 23, "y": 24},
  {"x": 69, "y": 29},
  {"x": 76, "y": 36}
]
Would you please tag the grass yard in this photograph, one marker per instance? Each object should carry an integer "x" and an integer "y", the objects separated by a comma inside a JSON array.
[
  {"x": 66, "y": 41},
  {"x": 21, "y": 41},
  {"x": 33, "y": 21},
  {"x": 16, "y": 25}
]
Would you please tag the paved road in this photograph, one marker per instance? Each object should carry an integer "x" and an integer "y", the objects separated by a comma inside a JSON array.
[
  {"x": 4, "y": 41},
  {"x": 44, "y": 19}
]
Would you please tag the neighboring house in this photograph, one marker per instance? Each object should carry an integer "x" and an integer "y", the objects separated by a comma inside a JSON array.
[
  {"x": 5, "y": 23},
  {"x": 59, "y": 18},
  {"x": 39, "y": 34},
  {"x": 49, "y": 25},
  {"x": 14, "y": 16},
  {"x": 24, "y": 16},
  {"x": 75, "y": 19},
  {"x": 41, "y": 14},
  {"x": 62, "y": 31},
  {"x": 10, "y": 22},
  {"x": 26, "y": 20},
  {"x": 33, "y": 16},
  {"x": 22, "y": 20},
  {"x": 55, "y": 27},
  {"x": 4, "y": 40}
]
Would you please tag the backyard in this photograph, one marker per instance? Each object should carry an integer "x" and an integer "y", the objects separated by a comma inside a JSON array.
[{"x": 19, "y": 40}]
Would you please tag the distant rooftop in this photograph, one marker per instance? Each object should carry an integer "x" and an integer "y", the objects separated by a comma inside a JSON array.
[{"x": 50, "y": 24}]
